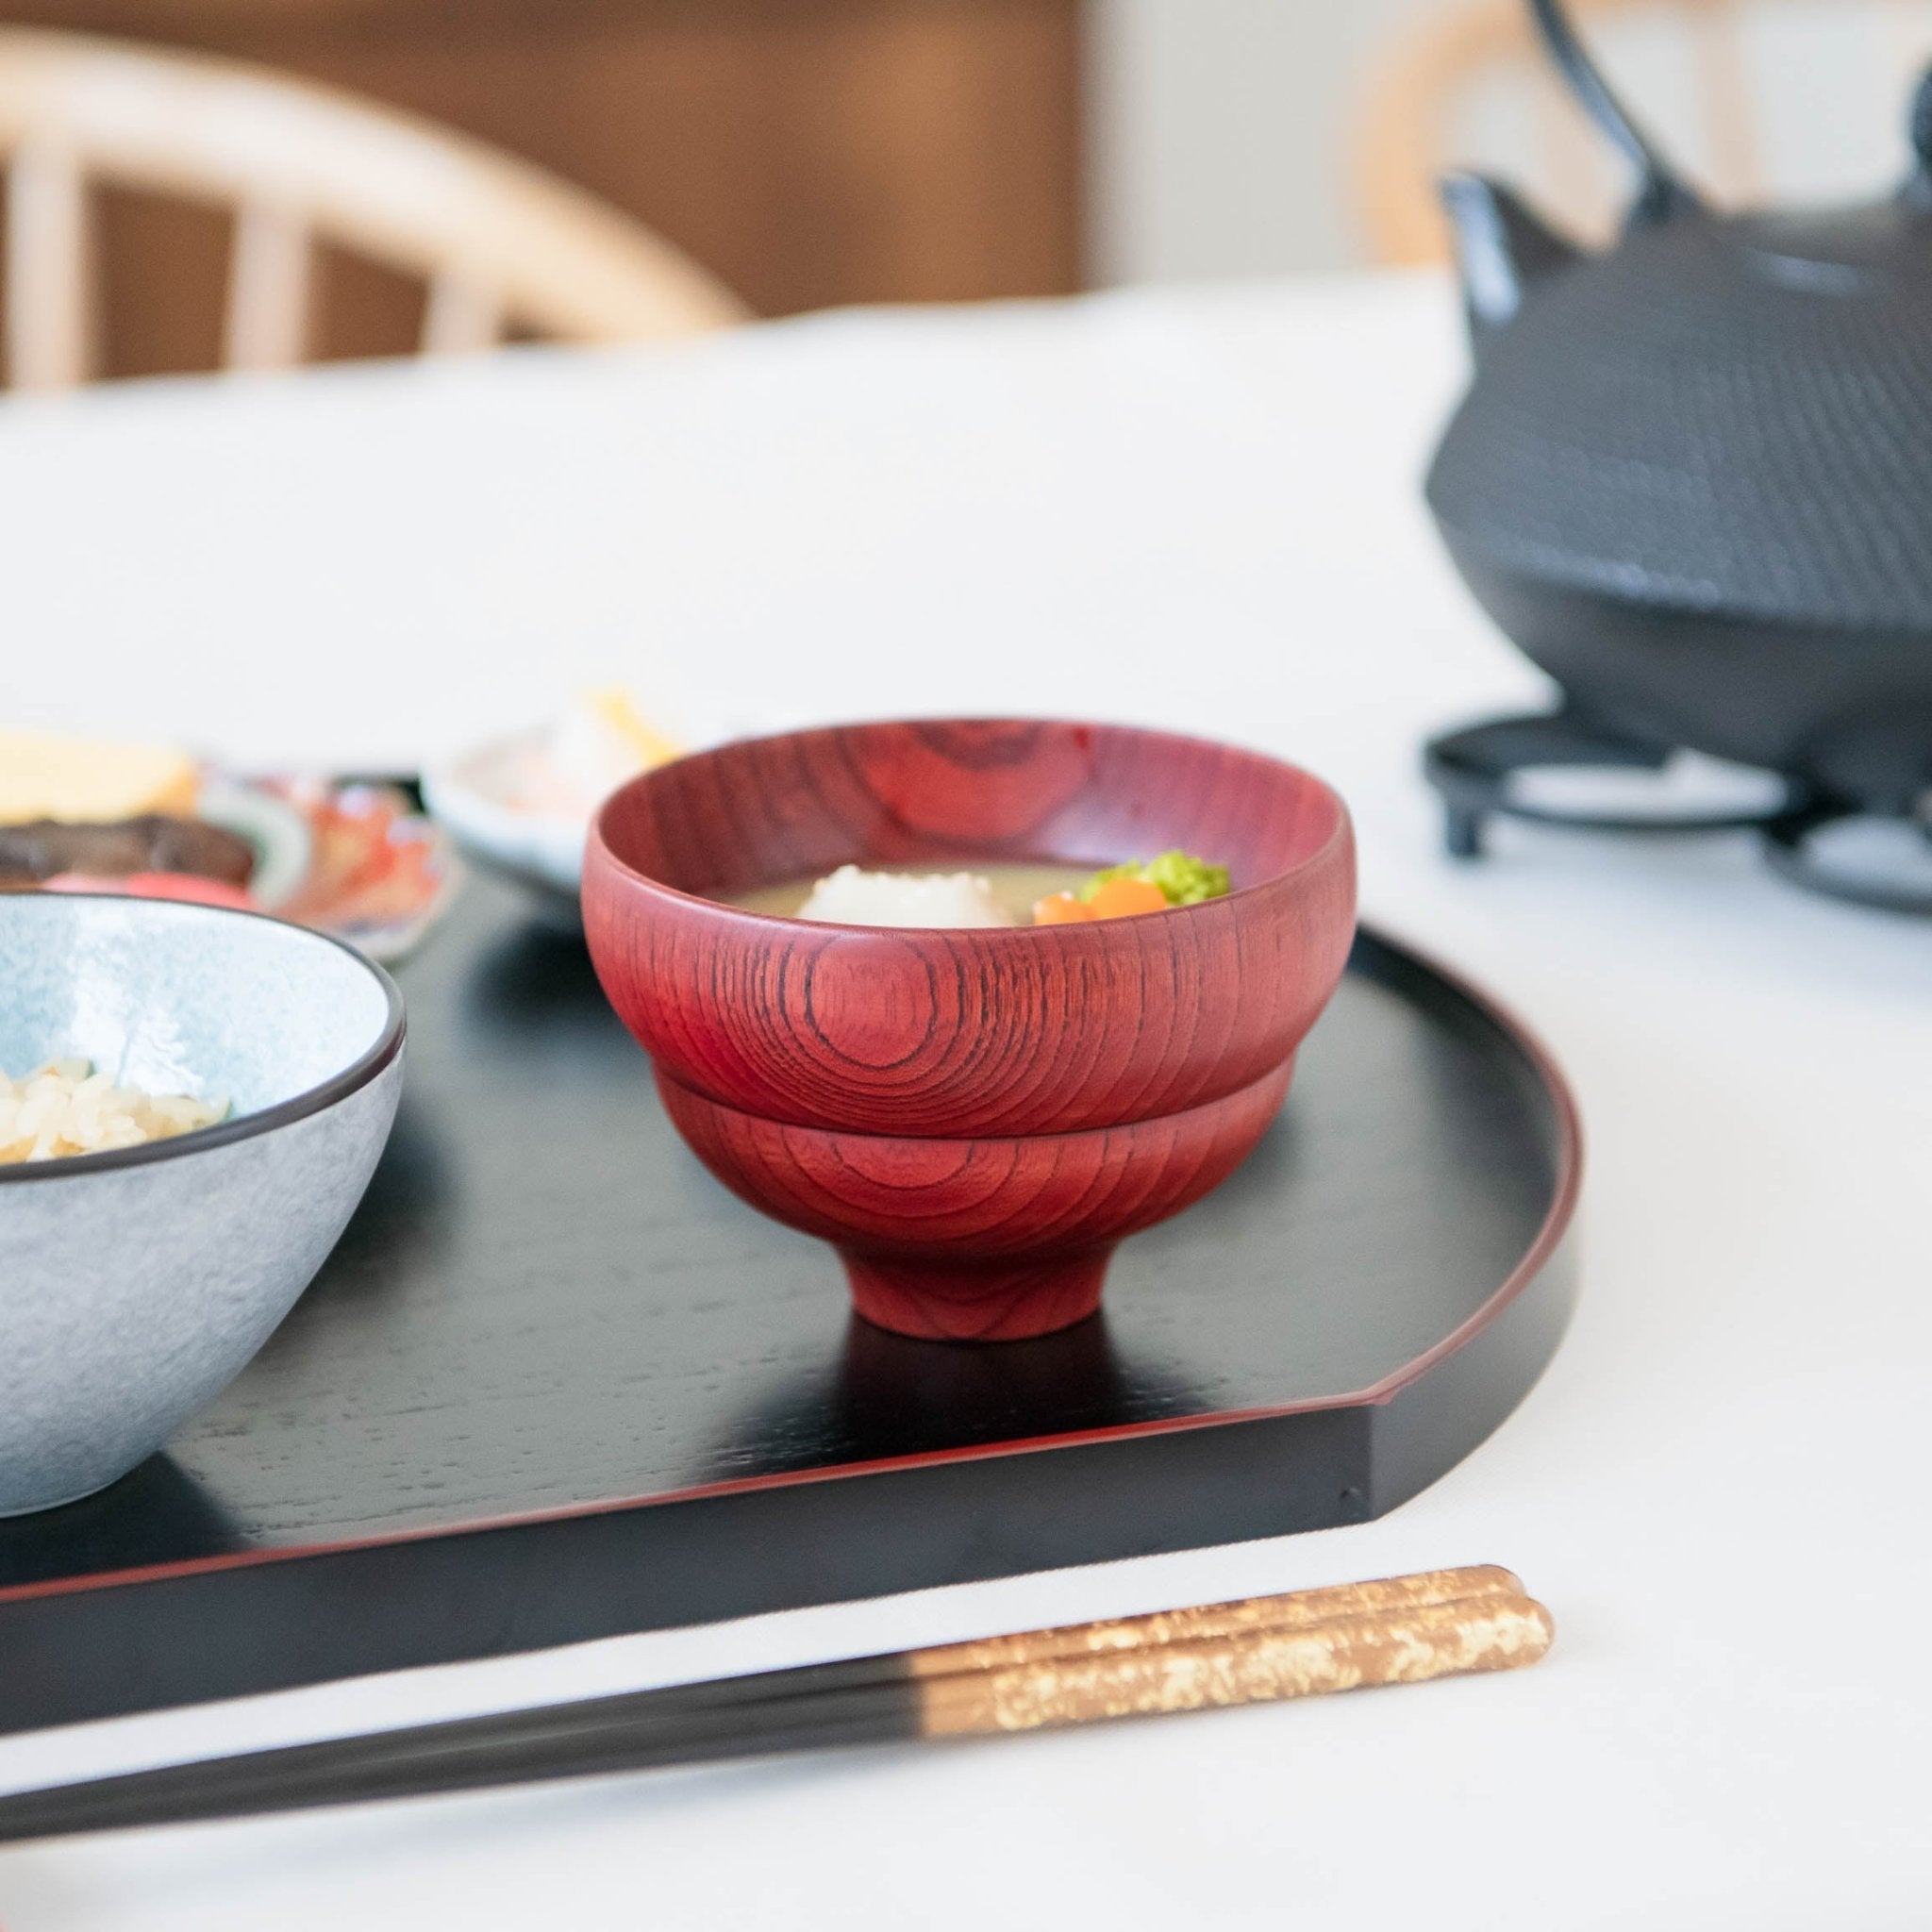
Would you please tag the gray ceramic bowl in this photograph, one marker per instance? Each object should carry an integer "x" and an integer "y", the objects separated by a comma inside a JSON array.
[{"x": 136, "y": 1284}]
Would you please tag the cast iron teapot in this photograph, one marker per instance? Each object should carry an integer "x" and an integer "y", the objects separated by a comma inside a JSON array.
[{"x": 1693, "y": 479}]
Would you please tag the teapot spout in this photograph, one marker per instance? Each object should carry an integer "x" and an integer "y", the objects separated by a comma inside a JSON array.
[{"x": 1502, "y": 250}]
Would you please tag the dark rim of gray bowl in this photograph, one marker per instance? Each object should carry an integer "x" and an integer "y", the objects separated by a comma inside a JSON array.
[{"x": 311, "y": 1100}]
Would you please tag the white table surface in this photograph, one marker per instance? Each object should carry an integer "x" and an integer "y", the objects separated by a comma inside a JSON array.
[{"x": 1197, "y": 507}]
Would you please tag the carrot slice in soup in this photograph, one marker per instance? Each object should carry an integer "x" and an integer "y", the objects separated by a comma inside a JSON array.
[
  {"x": 1121, "y": 898},
  {"x": 1062, "y": 908}
]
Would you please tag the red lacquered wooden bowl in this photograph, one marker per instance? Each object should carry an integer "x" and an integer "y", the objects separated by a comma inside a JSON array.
[{"x": 975, "y": 1118}]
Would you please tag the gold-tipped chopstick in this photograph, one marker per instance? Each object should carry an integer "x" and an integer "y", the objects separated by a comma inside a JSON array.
[
  {"x": 1291, "y": 1611},
  {"x": 1400, "y": 1629},
  {"x": 1405, "y": 1645}
]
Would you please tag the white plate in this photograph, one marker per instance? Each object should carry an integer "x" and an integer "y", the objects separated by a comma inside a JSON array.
[{"x": 541, "y": 851}]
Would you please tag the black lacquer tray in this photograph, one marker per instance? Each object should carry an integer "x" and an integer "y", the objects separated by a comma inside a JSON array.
[{"x": 555, "y": 1384}]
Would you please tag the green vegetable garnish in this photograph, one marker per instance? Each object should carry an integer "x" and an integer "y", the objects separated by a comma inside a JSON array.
[{"x": 1183, "y": 879}]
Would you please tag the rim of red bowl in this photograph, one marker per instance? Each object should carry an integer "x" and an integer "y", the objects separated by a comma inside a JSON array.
[{"x": 1340, "y": 829}]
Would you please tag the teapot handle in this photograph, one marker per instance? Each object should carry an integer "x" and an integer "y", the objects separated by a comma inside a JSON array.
[{"x": 1661, "y": 193}]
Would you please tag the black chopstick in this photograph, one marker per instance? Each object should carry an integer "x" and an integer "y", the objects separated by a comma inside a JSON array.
[
  {"x": 1296, "y": 1644},
  {"x": 580, "y": 1745}
]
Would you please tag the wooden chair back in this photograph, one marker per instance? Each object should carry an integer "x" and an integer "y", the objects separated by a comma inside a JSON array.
[
  {"x": 500, "y": 243},
  {"x": 1406, "y": 134}
]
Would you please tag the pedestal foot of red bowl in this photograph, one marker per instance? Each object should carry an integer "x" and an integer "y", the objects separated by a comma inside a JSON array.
[{"x": 975, "y": 1302}]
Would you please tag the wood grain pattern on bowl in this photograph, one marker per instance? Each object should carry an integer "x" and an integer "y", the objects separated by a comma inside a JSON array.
[
  {"x": 894, "y": 1042},
  {"x": 976, "y": 1240},
  {"x": 967, "y": 1032}
]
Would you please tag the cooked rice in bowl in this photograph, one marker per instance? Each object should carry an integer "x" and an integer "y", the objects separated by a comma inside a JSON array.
[{"x": 66, "y": 1108}]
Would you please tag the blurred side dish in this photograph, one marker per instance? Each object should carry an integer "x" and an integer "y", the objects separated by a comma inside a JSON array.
[
  {"x": 355, "y": 860},
  {"x": 520, "y": 806},
  {"x": 570, "y": 767},
  {"x": 77, "y": 815}
]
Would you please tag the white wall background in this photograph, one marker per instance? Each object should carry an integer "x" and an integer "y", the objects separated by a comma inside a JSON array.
[
  {"x": 1221, "y": 127},
  {"x": 1220, "y": 130}
]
